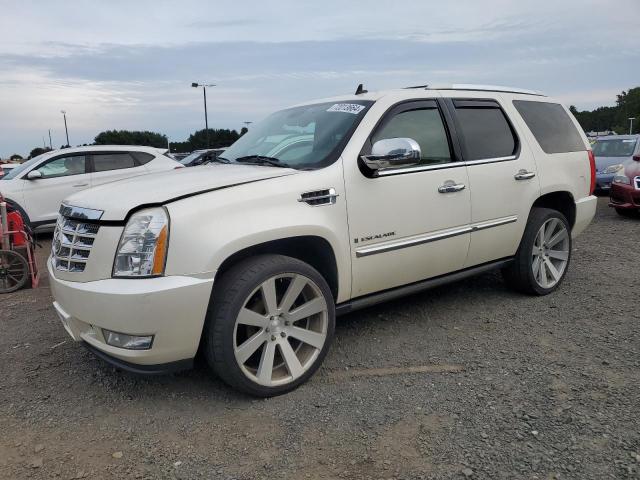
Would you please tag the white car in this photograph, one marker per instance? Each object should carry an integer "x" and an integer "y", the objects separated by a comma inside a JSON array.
[
  {"x": 252, "y": 260},
  {"x": 38, "y": 186}
]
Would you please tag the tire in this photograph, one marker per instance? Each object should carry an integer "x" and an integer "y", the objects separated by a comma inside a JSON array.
[
  {"x": 246, "y": 329},
  {"x": 539, "y": 267},
  {"x": 627, "y": 213},
  {"x": 14, "y": 271}
]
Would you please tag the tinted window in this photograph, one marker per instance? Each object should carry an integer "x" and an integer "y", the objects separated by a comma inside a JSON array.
[
  {"x": 63, "y": 166},
  {"x": 551, "y": 126},
  {"x": 425, "y": 127},
  {"x": 486, "y": 133},
  {"x": 143, "y": 157},
  {"x": 112, "y": 161}
]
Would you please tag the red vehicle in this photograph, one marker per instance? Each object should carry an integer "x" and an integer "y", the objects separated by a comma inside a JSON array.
[{"x": 624, "y": 195}]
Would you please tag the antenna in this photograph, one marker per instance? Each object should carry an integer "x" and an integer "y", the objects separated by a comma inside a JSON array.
[{"x": 360, "y": 90}]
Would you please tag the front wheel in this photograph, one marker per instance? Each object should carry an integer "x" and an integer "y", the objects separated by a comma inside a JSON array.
[
  {"x": 269, "y": 325},
  {"x": 542, "y": 259}
]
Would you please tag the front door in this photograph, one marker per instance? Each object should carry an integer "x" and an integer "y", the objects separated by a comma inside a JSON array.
[
  {"x": 61, "y": 176},
  {"x": 404, "y": 226}
]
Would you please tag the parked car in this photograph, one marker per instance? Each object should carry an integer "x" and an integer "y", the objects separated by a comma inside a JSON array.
[
  {"x": 5, "y": 168},
  {"x": 624, "y": 195},
  {"x": 37, "y": 187},
  {"x": 200, "y": 157},
  {"x": 250, "y": 261},
  {"x": 611, "y": 152}
]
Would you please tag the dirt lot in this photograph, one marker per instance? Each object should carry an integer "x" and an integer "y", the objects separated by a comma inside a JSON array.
[{"x": 468, "y": 380}]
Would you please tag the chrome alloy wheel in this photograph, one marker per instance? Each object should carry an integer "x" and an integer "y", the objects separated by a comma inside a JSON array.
[
  {"x": 550, "y": 253},
  {"x": 281, "y": 329}
]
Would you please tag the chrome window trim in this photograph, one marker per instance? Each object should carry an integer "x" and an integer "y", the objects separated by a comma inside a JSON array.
[
  {"x": 396, "y": 171},
  {"x": 432, "y": 237},
  {"x": 491, "y": 160},
  {"x": 80, "y": 213}
]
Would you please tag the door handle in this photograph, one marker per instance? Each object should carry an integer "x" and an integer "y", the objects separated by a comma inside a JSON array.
[
  {"x": 80, "y": 184},
  {"x": 524, "y": 175},
  {"x": 450, "y": 186}
]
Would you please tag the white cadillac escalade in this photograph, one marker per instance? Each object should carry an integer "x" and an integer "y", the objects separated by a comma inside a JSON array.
[{"x": 318, "y": 210}]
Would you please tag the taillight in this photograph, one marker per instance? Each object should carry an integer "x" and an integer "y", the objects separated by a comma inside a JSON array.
[{"x": 592, "y": 165}]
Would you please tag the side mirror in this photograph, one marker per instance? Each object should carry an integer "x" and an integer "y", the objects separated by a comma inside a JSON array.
[
  {"x": 393, "y": 153},
  {"x": 34, "y": 175}
]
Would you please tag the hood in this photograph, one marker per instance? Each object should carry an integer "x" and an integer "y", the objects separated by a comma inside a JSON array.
[
  {"x": 604, "y": 162},
  {"x": 116, "y": 199}
]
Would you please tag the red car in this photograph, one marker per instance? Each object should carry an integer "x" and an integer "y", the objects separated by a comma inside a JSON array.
[{"x": 624, "y": 195}]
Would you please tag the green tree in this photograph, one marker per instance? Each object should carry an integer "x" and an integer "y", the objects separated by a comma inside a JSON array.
[
  {"x": 38, "y": 151},
  {"x": 243, "y": 130},
  {"x": 16, "y": 158},
  {"x": 222, "y": 137},
  {"x": 127, "y": 137},
  {"x": 612, "y": 118}
]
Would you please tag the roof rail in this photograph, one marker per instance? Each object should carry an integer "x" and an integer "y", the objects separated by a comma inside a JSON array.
[{"x": 483, "y": 88}]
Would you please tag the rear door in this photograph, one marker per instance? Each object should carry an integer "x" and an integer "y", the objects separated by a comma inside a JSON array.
[
  {"x": 112, "y": 166},
  {"x": 502, "y": 175},
  {"x": 61, "y": 176}
]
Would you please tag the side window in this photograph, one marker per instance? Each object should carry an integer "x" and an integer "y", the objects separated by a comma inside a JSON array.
[
  {"x": 103, "y": 162},
  {"x": 64, "y": 166},
  {"x": 485, "y": 130},
  {"x": 143, "y": 157},
  {"x": 425, "y": 127},
  {"x": 551, "y": 126}
]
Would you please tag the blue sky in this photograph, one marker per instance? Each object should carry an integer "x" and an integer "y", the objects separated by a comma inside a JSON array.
[{"x": 129, "y": 64}]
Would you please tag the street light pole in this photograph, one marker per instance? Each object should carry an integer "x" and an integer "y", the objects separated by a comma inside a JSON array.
[
  {"x": 66, "y": 131},
  {"x": 206, "y": 117},
  {"x": 631, "y": 119}
]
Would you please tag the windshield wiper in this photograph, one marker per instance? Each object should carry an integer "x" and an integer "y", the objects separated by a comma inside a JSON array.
[
  {"x": 217, "y": 160},
  {"x": 261, "y": 160}
]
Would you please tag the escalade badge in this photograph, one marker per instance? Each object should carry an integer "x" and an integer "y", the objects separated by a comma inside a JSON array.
[{"x": 377, "y": 236}]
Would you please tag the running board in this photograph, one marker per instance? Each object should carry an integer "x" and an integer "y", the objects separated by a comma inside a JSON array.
[{"x": 393, "y": 293}]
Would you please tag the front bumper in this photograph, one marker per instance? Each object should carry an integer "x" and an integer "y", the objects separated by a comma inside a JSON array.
[
  {"x": 626, "y": 197},
  {"x": 604, "y": 181},
  {"x": 171, "y": 308}
]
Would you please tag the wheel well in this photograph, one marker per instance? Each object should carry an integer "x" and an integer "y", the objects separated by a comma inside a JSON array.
[
  {"x": 560, "y": 201},
  {"x": 315, "y": 251}
]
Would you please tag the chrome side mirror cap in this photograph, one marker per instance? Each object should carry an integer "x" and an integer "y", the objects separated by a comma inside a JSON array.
[
  {"x": 393, "y": 153},
  {"x": 34, "y": 175}
]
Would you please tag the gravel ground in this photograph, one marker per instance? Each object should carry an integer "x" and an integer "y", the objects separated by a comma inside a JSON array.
[{"x": 468, "y": 380}]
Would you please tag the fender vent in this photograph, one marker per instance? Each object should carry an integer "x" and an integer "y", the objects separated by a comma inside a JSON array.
[{"x": 317, "y": 198}]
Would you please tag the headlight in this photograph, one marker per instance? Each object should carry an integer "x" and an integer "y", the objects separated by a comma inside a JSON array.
[
  {"x": 142, "y": 251},
  {"x": 622, "y": 179},
  {"x": 612, "y": 168}
]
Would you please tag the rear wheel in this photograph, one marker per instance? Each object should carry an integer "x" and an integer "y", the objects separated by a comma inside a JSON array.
[
  {"x": 626, "y": 212},
  {"x": 14, "y": 271},
  {"x": 543, "y": 257},
  {"x": 269, "y": 326}
]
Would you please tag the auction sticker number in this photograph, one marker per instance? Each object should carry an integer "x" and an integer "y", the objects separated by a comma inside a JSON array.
[{"x": 346, "y": 108}]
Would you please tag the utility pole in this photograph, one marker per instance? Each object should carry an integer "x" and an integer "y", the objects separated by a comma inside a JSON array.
[
  {"x": 50, "y": 143},
  {"x": 204, "y": 92},
  {"x": 631, "y": 119},
  {"x": 64, "y": 114}
]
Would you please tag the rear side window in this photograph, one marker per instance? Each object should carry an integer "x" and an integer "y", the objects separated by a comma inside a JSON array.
[
  {"x": 103, "y": 162},
  {"x": 486, "y": 132},
  {"x": 551, "y": 126},
  {"x": 143, "y": 157}
]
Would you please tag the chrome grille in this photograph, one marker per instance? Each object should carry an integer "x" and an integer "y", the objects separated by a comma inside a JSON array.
[{"x": 72, "y": 243}]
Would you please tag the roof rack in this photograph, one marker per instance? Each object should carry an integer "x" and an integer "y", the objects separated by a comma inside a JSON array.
[{"x": 480, "y": 88}]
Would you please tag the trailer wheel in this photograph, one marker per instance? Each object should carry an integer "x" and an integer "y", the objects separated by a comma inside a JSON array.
[{"x": 14, "y": 271}]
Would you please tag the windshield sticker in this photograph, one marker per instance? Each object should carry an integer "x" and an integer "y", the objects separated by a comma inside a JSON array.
[{"x": 347, "y": 108}]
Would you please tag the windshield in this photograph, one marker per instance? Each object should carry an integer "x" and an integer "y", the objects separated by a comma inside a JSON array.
[
  {"x": 191, "y": 157},
  {"x": 16, "y": 172},
  {"x": 614, "y": 148},
  {"x": 303, "y": 137}
]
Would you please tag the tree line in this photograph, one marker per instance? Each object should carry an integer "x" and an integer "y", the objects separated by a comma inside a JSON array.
[
  {"x": 222, "y": 137},
  {"x": 616, "y": 118}
]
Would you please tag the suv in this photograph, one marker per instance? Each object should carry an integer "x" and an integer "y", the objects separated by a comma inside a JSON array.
[
  {"x": 36, "y": 187},
  {"x": 250, "y": 259}
]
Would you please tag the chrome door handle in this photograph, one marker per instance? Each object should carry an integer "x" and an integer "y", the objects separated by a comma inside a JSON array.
[
  {"x": 524, "y": 175},
  {"x": 450, "y": 186},
  {"x": 81, "y": 184}
]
